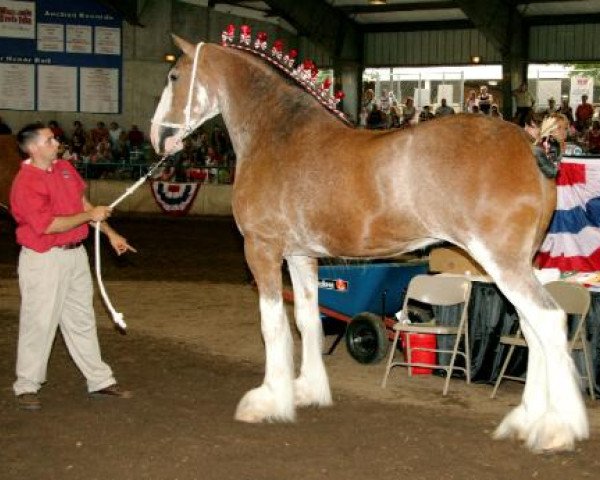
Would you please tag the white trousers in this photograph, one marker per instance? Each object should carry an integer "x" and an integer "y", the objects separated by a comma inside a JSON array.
[{"x": 56, "y": 290}]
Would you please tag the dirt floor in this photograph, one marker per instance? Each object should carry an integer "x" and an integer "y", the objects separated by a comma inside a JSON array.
[{"x": 193, "y": 348}]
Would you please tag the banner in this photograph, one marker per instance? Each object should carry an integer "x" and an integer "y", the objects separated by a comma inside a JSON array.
[
  {"x": 573, "y": 239},
  {"x": 174, "y": 198}
]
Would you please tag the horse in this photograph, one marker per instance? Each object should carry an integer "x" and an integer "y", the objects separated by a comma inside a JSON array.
[
  {"x": 309, "y": 186},
  {"x": 10, "y": 162}
]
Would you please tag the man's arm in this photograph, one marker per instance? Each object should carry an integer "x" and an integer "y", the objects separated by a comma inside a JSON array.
[
  {"x": 68, "y": 222},
  {"x": 118, "y": 242}
]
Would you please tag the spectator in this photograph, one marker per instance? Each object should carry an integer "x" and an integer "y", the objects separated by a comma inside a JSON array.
[
  {"x": 368, "y": 99},
  {"x": 395, "y": 115},
  {"x": 135, "y": 137},
  {"x": 99, "y": 133},
  {"x": 525, "y": 103},
  {"x": 409, "y": 112},
  {"x": 78, "y": 137},
  {"x": 219, "y": 141},
  {"x": 386, "y": 101},
  {"x": 114, "y": 134},
  {"x": 494, "y": 112},
  {"x": 444, "y": 109},
  {"x": 592, "y": 138},
  {"x": 471, "y": 101},
  {"x": 426, "y": 114},
  {"x": 551, "y": 107},
  {"x": 484, "y": 101},
  {"x": 567, "y": 111},
  {"x": 583, "y": 115},
  {"x": 57, "y": 131},
  {"x": 4, "y": 128},
  {"x": 376, "y": 118}
]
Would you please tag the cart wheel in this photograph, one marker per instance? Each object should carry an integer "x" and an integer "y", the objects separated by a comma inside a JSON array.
[{"x": 366, "y": 338}]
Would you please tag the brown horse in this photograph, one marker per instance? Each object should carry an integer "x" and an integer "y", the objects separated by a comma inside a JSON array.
[
  {"x": 10, "y": 161},
  {"x": 309, "y": 186}
]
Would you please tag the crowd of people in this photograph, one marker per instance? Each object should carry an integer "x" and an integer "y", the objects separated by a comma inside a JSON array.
[
  {"x": 101, "y": 151},
  {"x": 387, "y": 112}
]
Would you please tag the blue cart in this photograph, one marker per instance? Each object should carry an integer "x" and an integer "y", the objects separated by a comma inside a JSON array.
[{"x": 358, "y": 301}]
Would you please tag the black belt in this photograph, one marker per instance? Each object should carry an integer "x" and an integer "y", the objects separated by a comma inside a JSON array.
[{"x": 70, "y": 246}]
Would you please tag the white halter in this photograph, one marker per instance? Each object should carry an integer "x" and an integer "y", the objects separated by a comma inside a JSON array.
[{"x": 187, "y": 126}]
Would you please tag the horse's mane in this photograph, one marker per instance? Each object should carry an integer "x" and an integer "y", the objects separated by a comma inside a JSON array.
[{"x": 303, "y": 74}]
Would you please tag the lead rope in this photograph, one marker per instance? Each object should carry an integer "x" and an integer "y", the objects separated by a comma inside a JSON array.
[
  {"x": 187, "y": 129},
  {"x": 117, "y": 316}
]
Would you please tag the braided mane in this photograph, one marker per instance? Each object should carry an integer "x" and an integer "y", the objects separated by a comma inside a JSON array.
[{"x": 303, "y": 74}]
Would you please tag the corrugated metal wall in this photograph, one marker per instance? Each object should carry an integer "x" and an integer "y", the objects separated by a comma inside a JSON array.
[
  {"x": 564, "y": 43},
  {"x": 437, "y": 47}
]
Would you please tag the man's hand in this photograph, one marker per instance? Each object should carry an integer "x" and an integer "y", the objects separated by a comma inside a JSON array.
[
  {"x": 120, "y": 244},
  {"x": 99, "y": 214}
]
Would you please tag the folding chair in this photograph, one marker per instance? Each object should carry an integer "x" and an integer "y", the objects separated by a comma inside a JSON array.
[
  {"x": 438, "y": 290},
  {"x": 574, "y": 300}
]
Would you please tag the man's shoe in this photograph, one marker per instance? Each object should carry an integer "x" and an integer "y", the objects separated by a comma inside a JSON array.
[
  {"x": 29, "y": 401},
  {"x": 113, "y": 390}
]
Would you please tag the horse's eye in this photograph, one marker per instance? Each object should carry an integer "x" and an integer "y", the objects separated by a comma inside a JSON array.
[{"x": 172, "y": 77}]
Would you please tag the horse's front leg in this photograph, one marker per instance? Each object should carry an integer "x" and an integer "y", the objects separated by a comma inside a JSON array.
[
  {"x": 312, "y": 386},
  {"x": 274, "y": 399}
]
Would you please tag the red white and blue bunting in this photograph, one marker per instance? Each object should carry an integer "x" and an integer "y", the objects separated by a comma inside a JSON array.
[
  {"x": 573, "y": 239},
  {"x": 174, "y": 198}
]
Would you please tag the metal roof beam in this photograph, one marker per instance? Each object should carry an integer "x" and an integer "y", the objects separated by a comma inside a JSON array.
[
  {"x": 499, "y": 21},
  {"x": 323, "y": 24}
]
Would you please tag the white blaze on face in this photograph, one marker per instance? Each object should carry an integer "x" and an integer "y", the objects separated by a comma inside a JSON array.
[{"x": 159, "y": 115}]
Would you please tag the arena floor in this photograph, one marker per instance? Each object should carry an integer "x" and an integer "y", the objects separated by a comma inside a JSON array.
[{"x": 193, "y": 348}]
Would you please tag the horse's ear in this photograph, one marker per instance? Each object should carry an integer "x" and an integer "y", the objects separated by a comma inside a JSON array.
[{"x": 185, "y": 46}]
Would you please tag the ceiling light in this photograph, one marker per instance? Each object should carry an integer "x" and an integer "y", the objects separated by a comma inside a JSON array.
[
  {"x": 475, "y": 59},
  {"x": 169, "y": 57},
  {"x": 493, "y": 83},
  {"x": 377, "y": 2}
]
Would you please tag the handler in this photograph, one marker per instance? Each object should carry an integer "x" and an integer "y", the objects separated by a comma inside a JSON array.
[{"x": 52, "y": 214}]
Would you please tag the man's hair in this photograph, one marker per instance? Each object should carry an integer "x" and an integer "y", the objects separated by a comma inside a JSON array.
[{"x": 28, "y": 134}]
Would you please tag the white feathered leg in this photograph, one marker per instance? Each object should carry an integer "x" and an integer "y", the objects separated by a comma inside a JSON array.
[
  {"x": 312, "y": 385},
  {"x": 552, "y": 414},
  {"x": 274, "y": 399}
]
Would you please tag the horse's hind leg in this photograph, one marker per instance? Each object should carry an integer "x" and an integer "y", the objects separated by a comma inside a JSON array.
[
  {"x": 274, "y": 399},
  {"x": 312, "y": 385},
  {"x": 552, "y": 414}
]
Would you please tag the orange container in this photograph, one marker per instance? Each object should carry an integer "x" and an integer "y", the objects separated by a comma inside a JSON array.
[{"x": 423, "y": 340}]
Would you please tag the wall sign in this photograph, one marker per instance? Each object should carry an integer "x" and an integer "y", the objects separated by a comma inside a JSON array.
[{"x": 63, "y": 52}]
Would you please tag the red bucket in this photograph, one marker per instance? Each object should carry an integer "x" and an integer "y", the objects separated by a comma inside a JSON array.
[{"x": 422, "y": 340}]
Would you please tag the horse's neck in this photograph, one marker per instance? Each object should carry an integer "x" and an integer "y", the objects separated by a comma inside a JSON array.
[{"x": 258, "y": 105}]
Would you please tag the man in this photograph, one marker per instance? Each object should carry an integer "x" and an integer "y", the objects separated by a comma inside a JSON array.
[
  {"x": 52, "y": 214},
  {"x": 583, "y": 115},
  {"x": 525, "y": 102},
  {"x": 444, "y": 109}
]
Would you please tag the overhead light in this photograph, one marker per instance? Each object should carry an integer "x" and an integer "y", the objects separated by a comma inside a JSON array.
[
  {"x": 475, "y": 59},
  {"x": 169, "y": 57},
  {"x": 377, "y": 2},
  {"x": 493, "y": 83}
]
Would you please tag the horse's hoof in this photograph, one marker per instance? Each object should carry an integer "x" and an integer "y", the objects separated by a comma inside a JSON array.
[
  {"x": 308, "y": 393},
  {"x": 260, "y": 405},
  {"x": 549, "y": 433}
]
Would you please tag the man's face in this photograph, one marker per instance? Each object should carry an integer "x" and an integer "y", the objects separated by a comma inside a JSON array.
[{"x": 45, "y": 146}]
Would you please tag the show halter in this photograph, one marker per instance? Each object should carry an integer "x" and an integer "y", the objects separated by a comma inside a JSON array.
[{"x": 187, "y": 126}]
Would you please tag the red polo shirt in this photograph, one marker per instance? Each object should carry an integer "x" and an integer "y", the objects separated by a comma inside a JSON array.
[{"x": 37, "y": 196}]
